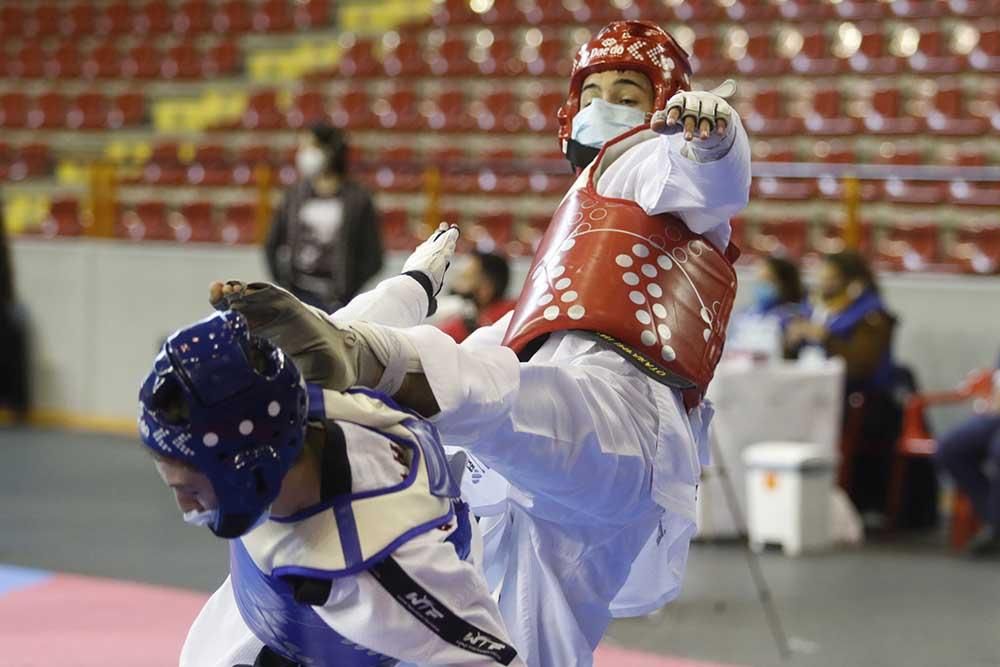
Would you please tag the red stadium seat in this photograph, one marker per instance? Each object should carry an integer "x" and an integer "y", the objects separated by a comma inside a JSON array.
[
  {"x": 239, "y": 224},
  {"x": 397, "y": 233},
  {"x": 164, "y": 166},
  {"x": 770, "y": 115},
  {"x": 552, "y": 12},
  {"x": 788, "y": 238},
  {"x": 908, "y": 246},
  {"x": 47, "y": 20},
  {"x": 154, "y": 17},
  {"x": 181, "y": 62},
  {"x": 706, "y": 57},
  {"x": 28, "y": 62},
  {"x": 232, "y": 17},
  {"x": 503, "y": 13},
  {"x": 976, "y": 249},
  {"x": 491, "y": 232},
  {"x": 309, "y": 107},
  {"x": 500, "y": 59},
  {"x": 142, "y": 62},
  {"x": 828, "y": 115},
  {"x": 452, "y": 58},
  {"x": 398, "y": 170},
  {"x": 192, "y": 16},
  {"x": 146, "y": 221},
  {"x": 948, "y": 116},
  {"x": 89, "y": 111},
  {"x": 222, "y": 58},
  {"x": 554, "y": 58},
  {"x": 12, "y": 21},
  {"x": 788, "y": 189},
  {"x": 540, "y": 112},
  {"x": 915, "y": 192},
  {"x": 211, "y": 166},
  {"x": 104, "y": 62},
  {"x": 64, "y": 62},
  {"x": 760, "y": 58},
  {"x": 63, "y": 219},
  {"x": 33, "y": 160},
  {"x": 13, "y": 110},
  {"x": 970, "y": 193},
  {"x": 353, "y": 110},
  {"x": 830, "y": 238},
  {"x": 407, "y": 59},
  {"x": 454, "y": 12},
  {"x": 115, "y": 19},
  {"x": 262, "y": 112},
  {"x": 248, "y": 160},
  {"x": 126, "y": 110},
  {"x": 312, "y": 14},
  {"x": 49, "y": 112},
  {"x": 815, "y": 57},
  {"x": 198, "y": 223},
  {"x": 446, "y": 111},
  {"x": 359, "y": 60},
  {"x": 496, "y": 113},
  {"x": 273, "y": 16},
  {"x": 873, "y": 57},
  {"x": 398, "y": 110},
  {"x": 932, "y": 55},
  {"x": 886, "y": 115}
]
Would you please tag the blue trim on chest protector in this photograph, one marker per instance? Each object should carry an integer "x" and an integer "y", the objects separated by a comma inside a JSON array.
[{"x": 289, "y": 628}]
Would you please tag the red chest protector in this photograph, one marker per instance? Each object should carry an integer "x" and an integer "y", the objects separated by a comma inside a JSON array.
[{"x": 646, "y": 286}]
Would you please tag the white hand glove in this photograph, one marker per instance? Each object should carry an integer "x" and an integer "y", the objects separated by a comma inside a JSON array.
[
  {"x": 704, "y": 117},
  {"x": 433, "y": 256}
]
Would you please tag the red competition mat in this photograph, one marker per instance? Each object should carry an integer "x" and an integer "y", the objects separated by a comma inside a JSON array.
[{"x": 49, "y": 620}]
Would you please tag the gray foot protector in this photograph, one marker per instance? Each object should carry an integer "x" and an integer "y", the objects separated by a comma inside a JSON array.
[{"x": 335, "y": 357}]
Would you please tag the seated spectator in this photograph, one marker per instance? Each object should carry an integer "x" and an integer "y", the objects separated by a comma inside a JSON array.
[
  {"x": 324, "y": 243},
  {"x": 13, "y": 337},
  {"x": 970, "y": 454},
  {"x": 778, "y": 298},
  {"x": 481, "y": 280},
  {"x": 851, "y": 321}
]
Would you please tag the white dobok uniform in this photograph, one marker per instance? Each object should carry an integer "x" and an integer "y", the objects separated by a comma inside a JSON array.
[
  {"x": 359, "y": 608},
  {"x": 603, "y": 462}
]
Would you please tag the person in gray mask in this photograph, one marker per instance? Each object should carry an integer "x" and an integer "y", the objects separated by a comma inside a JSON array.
[{"x": 324, "y": 243}]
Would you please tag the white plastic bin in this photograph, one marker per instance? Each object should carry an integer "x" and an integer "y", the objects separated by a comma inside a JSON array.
[{"x": 788, "y": 495}]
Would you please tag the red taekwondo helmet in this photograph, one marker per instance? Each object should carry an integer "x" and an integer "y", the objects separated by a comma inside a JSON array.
[{"x": 627, "y": 45}]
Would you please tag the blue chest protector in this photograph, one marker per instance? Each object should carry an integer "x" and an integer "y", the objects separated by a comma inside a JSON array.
[
  {"x": 289, "y": 628},
  {"x": 266, "y": 600}
]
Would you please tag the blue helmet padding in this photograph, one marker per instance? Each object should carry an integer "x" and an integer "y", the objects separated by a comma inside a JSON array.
[{"x": 243, "y": 418}]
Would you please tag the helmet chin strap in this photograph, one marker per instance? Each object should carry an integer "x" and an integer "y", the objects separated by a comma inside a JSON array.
[{"x": 580, "y": 155}]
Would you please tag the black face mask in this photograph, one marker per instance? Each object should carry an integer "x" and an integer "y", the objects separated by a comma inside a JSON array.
[{"x": 580, "y": 155}]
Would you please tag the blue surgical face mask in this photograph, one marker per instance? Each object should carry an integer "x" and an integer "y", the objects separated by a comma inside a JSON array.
[{"x": 599, "y": 122}]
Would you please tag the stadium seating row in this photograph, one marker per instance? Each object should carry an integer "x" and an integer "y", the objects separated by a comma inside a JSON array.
[
  {"x": 85, "y": 18},
  {"x": 108, "y": 61},
  {"x": 914, "y": 245}
]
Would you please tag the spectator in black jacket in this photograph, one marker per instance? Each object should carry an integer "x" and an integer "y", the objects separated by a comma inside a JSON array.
[
  {"x": 324, "y": 243},
  {"x": 13, "y": 337}
]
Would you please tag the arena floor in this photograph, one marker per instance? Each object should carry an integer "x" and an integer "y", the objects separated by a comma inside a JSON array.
[{"x": 96, "y": 569}]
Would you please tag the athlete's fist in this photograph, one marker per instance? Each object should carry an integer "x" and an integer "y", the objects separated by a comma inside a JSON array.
[
  {"x": 433, "y": 256},
  {"x": 705, "y": 115}
]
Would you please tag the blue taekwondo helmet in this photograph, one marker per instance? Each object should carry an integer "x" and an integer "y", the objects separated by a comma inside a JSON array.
[{"x": 231, "y": 405}]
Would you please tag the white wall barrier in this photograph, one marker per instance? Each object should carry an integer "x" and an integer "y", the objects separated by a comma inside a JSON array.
[{"x": 99, "y": 310}]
